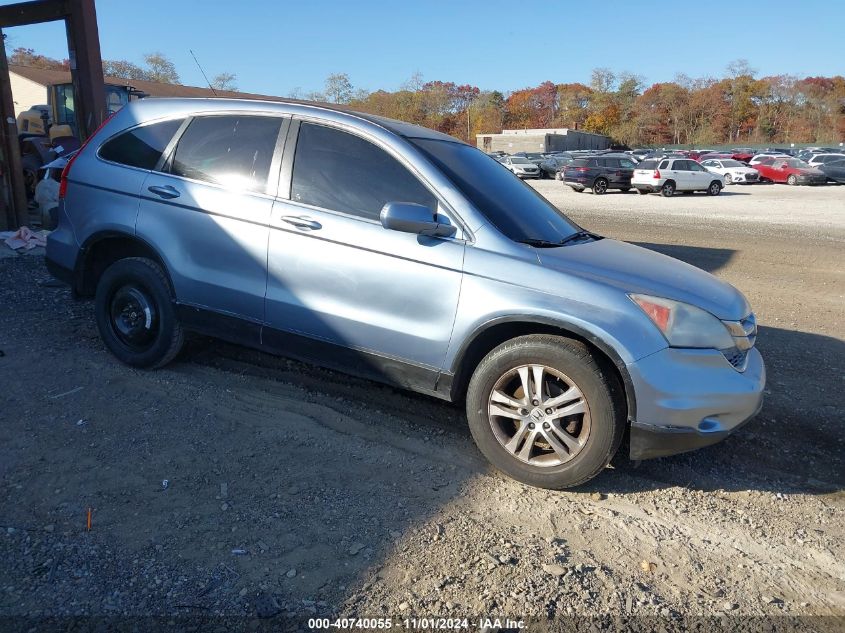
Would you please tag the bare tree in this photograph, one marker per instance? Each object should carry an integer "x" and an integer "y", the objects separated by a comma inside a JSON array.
[
  {"x": 338, "y": 88},
  {"x": 225, "y": 81},
  {"x": 161, "y": 69}
]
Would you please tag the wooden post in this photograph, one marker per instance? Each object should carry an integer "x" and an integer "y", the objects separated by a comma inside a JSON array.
[
  {"x": 86, "y": 66},
  {"x": 13, "y": 211}
]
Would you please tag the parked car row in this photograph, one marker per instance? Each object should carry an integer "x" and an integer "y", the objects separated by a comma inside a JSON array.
[{"x": 697, "y": 170}]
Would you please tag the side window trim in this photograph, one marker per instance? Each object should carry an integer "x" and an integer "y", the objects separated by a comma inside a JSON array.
[
  {"x": 163, "y": 164},
  {"x": 286, "y": 177}
]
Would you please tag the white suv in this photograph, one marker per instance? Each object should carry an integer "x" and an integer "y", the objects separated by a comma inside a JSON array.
[{"x": 669, "y": 175}]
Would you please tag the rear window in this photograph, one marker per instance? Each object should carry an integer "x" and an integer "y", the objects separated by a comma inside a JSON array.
[
  {"x": 647, "y": 164},
  {"x": 141, "y": 146},
  {"x": 579, "y": 162}
]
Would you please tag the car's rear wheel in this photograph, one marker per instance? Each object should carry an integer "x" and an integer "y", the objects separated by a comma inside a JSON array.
[
  {"x": 135, "y": 313},
  {"x": 792, "y": 180},
  {"x": 600, "y": 186},
  {"x": 715, "y": 188},
  {"x": 542, "y": 410},
  {"x": 668, "y": 189}
]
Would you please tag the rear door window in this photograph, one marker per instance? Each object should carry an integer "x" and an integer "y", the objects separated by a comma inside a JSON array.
[
  {"x": 141, "y": 146},
  {"x": 234, "y": 151},
  {"x": 342, "y": 172}
]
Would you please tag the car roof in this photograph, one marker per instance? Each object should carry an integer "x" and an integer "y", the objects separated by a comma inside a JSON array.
[{"x": 150, "y": 108}]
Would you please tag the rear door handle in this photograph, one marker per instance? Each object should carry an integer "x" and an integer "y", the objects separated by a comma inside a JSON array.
[
  {"x": 302, "y": 222},
  {"x": 166, "y": 191}
]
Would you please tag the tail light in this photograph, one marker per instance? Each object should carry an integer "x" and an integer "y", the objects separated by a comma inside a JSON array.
[
  {"x": 66, "y": 170},
  {"x": 582, "y": 169},
  {"x": 656, "y": 174}
]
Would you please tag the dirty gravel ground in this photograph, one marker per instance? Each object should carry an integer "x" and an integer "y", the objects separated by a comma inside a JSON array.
[{"x": 351, "y": 498}]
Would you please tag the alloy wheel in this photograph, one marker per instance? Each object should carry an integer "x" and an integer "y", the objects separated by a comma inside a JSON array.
[{"x": 539, "y": 415}]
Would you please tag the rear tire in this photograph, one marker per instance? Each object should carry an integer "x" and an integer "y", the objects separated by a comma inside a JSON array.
[
  {"x": 668, "y": 189},
  {"x": 600, "y": 186},
  {"x": 559, "y": 451},
  {"x": 135, "y": 313}
]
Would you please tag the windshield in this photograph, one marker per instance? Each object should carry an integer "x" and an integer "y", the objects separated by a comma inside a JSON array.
[
  {"x": 510, "y": 205},
  {"x": 518, "y": 160},
  {"x": 732, "y": 163}
]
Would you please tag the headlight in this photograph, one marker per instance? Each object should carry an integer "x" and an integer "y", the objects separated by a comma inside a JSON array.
[{"x": 685, "y": 325}]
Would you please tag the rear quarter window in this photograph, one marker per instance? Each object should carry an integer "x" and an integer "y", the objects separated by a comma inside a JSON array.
[{"x": 141, "y": 146}]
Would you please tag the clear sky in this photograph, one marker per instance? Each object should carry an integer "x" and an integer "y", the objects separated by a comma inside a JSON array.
[{"x": 276, "y": 46}]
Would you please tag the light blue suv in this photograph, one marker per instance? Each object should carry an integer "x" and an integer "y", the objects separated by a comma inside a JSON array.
[{"x": 401, "y": 254}]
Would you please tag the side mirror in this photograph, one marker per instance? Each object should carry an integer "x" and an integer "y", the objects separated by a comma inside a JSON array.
[{"x": 409, "y": 217}]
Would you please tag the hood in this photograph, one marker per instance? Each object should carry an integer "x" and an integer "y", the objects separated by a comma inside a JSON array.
[{"x": 635, "y": 269}]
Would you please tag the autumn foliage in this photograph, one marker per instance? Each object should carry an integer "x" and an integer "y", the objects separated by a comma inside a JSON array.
[{"x": 738, "y": 108}]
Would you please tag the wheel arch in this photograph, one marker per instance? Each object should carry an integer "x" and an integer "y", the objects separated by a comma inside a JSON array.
[
  {"x": 501, "y": 329},
  {"x": 102, "y": 249}
]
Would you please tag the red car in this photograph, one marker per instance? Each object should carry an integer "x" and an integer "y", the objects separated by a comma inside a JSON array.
[
  {"x": 742, "y": 155},
  {"x": 791, "y": 171}
]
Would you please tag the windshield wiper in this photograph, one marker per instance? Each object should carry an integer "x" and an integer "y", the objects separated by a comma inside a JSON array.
[
  {"x": 540, "y": 243},
  {"x": 579, "y": 235}
]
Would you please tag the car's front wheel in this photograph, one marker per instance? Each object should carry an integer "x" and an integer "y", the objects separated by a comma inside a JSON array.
[
  {"x": 728, "y": 179},
  {"x": 715, "y": 188},
  {"x": 792, "y": 180},
  {"x": 543, "y": 411},
  {"x": 135, "y": 314}
]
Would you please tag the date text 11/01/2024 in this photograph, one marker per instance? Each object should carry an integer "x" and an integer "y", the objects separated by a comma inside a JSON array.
[{"x": 416, "y": 624}]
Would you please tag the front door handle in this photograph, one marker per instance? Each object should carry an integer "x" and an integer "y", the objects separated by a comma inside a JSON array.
[
  {"x": 302, "y": 222},
  {"x": 166, "y": 191}
]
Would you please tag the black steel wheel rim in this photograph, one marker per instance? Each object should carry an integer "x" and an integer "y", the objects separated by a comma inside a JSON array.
[{"x": 133, "y": 317}]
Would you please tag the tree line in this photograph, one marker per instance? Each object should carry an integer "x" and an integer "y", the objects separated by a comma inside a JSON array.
[
  {"x": 156, "y": 67},
  {"x": 737, "y": 108}
]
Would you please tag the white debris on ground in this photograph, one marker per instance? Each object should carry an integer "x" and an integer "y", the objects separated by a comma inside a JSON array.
[{"x": 24, "y": 238}]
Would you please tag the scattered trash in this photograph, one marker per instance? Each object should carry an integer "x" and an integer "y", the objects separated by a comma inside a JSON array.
[
  {"x": 291, "y": 573},
  {"x": 24, "y": 238},
  {"x": 89, "y": 520},
  {"x": 224, "y": 490},
  {"x": 66, "y": 393},
  {"x": 165, "y": 483},
  {"x": 81, "y": 422},
  {"x": 239, "y": 552},
  {"x": 357, "y": 547}
]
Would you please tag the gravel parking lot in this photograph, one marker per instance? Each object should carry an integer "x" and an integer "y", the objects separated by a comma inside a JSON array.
[{"x": 294, "y": 491}]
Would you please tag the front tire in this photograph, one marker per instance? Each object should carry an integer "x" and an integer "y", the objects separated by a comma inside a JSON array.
[
  {"x": 135, "y": 314},
  {"x": 728, "y": 179},
  {"x": 715, "y": 188},
  {"x": 543, "y": 411},
  {"x": 792, "y": 180}
]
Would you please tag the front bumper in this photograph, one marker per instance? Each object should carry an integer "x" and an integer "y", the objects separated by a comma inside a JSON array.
[{"x": 687, "y": 399}]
